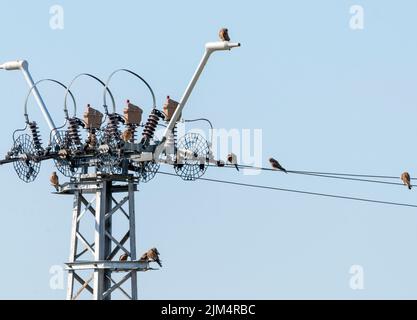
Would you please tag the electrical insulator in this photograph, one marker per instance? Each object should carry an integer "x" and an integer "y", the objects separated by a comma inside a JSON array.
[
  {"x": 151, "y": 124},
  {"x": 92, "y": 139},
  {"x": 132, "y": 114},
  {"x": 171, "y": 142},
  {"x": 131, "y": 129},
  {"x": 92, "y": 118},
  {"x": 113, "y": 126},
  {"x": 74, "y": 130},
  {"x": 169, "y": 108},
  {"x": 133, "y": 118},
  {"x": 34, "y": 129}
]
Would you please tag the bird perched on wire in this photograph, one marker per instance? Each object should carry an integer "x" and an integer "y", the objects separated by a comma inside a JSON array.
[
  {"x": 224, "y": 34},
  {"x": 54, "y": 180},
  {"x": 232, "y": 159},
  {"x": 124, "y": 257},
  {"x": 275, "y": 165},
  {"x": 152, "y": 255},
  {"x": 405, "y": 177},
  {"x": 127, "y": 135}
]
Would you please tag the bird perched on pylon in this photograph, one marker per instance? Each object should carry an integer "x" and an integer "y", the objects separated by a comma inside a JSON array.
[
  {"x": 275, "y": 165},
  {"x": 152, "y": 255},
  {"x": 232, "y": 159},
  {"x": 54, "y": 180},
  {"x": 127, "y": 135},
  {"x": 91, "y": 140},
  {"x": 124, "y": 257},
  {"x": 224, "y": 34},
  {"x": 405, "y": 177}
]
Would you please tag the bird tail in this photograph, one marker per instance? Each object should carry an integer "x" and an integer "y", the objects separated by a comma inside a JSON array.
[
  {"x": 409, "y": 186},
  {"x": 237, "y": 167},
  {"x": 159, "y": 262}
]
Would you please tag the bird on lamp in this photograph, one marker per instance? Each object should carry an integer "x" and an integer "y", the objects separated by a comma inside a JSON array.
[
  {"x": 224, "y": 34},
  {"x": 232, "y": 159},
  {"x": 54, "y": 180},
  {"x": 405, "y": 177},
  {"x": 152, "y": 255},
  {"x": 275, "y": 165}
]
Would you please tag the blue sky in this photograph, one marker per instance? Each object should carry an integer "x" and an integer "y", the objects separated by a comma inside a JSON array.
[{"x": 326, "y": 97}]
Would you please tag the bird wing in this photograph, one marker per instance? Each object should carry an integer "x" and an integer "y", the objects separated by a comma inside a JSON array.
[
  {"x": 153, "y": 255},
  {"x": 405, "y": 177},
  {"x": 54, "y": 179},
  {"x": 226, "y": 35}
]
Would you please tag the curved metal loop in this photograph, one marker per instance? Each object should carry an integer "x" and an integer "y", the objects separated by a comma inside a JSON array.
[
  {"x": 35, "y": 85},
  {"x": 56, "y": 130},
  {"x": 206, "y": 120},
  {"x": 95, "y": 78},
  {"x": 137, "y": 76},
  {"x": 18, "y": 130}
]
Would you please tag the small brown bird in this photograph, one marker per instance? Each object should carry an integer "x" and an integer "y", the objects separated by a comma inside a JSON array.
[
  {"x": 124, "y": 257},
  {"x": 92, "y": 140},
  {"x": 54, "y": 180},
  {"x": 232, "y": 159},
  {"x": 405, "y": 177},
  {"x": 224, "y": 34},
  {"x": 63, "y": 153},
  {"x": 152, "y": 255},
  {"x": 127, "y": 135},
  {"x": 275, "y": 165}
]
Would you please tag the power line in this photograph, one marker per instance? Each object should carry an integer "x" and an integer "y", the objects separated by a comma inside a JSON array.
[
  {"x": 341, "y": 176},
  {"x": 352, "y": 179},
  {"x": 324, "y": 173},
  {"x": 301, "y": 191}
]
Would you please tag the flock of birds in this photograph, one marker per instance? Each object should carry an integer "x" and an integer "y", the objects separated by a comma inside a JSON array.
[
  {"x": 232, "y": 159},
  {"x": 152, "y": 255}
]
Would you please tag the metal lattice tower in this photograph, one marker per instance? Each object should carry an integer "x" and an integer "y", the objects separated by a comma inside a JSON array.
[
  {"x": 118, "y": 163},
  {"x": 105, "y": 248}
]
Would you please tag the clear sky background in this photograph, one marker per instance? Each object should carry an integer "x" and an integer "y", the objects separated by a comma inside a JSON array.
[{"x": 327, "y": 98}]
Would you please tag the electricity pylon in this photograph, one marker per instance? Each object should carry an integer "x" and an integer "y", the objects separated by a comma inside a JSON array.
[
  {"x": 95, "y": 194},
  {"x": 105, "y": 247}
]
